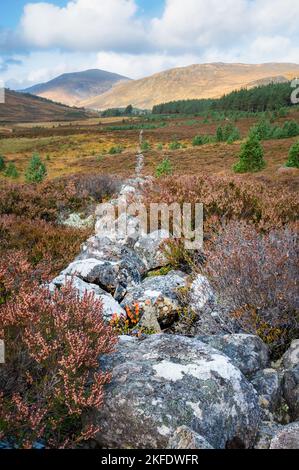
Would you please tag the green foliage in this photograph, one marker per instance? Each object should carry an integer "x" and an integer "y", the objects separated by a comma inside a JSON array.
[
  {"x": 293, "y": 160},
  {"x": 219, "y": 134},
  {"x": 145, "y": 146},
  {"x": 229, "y": 133},
  {"x": 160, "y": 147},
  {"x": 164, "y": 168},
  {"x": 198, "y": 140},
  {"x": 36, "y": 171},
  {"x": 175, "y": 145},
  {"x": 11, "y": 171},
  {"x": 2, "y": 163},
  {"x": 251, "y": 156},
  {"x": 263, "y": 130},
  {"x": 275, "y": 96},
  {"x": 116, "y": 149},
  {"x": 129, "y": 110}
]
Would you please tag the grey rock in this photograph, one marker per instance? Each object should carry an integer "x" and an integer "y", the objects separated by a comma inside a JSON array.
[
  {"x": 168, "y": 381},
  {"x": 108, "y": 274},
  {"x": 186, "y": 438},
  {"x": 247, "y": 352},
  {"x": 291, "y": 357},
  {"x": 286, "y": 438},
  {"x": 110, "y": 305},
  {"x": 77, "y": 221},
  {"x": 267, "y": 383},
  {"x": 266, "y": 433},
  {"x": 161, "y": 293},
  {"x": 200, "y": 293},
  {"x": 148, "y": 248},
  {"x": 291, "y": 391}
]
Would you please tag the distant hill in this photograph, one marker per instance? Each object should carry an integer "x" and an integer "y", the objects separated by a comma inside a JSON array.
[
  {"x": 193, "y": 82},
  {"x": 71, "y": 88},
  {"x": 23, "y": 107}
]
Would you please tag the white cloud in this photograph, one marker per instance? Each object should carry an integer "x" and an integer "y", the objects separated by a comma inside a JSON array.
[
  {"x": 112, "y": 35},
  {"x": 83, "y": 25}
]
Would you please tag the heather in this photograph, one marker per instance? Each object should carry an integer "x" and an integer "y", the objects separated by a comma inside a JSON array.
[{"x": 51, "y": 376}]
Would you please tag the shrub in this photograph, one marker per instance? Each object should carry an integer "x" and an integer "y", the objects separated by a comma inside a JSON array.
[
  {"x": 145, "y": 146},
  {"x": 293, "y": 160},
  {"x": 175, "y": 145},
  {"x": 291, "y": 129},
  {"x": 36, "y": 171},
  {"x": 115, "y": 150},
  {"x": 51, "y": 376},
  {"x": 251, "y": 156},
  {"x": 2, "y": 163},
  {"x": 11, "y": 171},
  {"x": 41, "y": 240},
  {"x": 198, "y": 140},
  {"x": 261, "y": 203},
  {"x": 256, "y": 276},
  {"x": 160, "y": 147},
  {"x": 164, "y": 168},
  {"x": 219, "y": 134}
]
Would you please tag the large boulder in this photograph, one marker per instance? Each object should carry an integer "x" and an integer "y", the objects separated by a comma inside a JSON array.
[
  {"x": 110, "y": 305},
  {"x": 247, "y": 352},
  {"x": 185, "y": 438},
  {"x": 286, "y": 437},
  {"x": 161, "y": 293},
  {"x": 291, "y": 391},
  {"x": 148, "y": 248},
  {"x": 267, "y": 383},
  {"x": 112, "y": 276},
  {"x": 291, "y": 357},
  {"x": 168, "y": 381}
]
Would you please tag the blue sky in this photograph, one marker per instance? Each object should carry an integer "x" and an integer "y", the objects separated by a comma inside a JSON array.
[
  {"x": 11, "y": 10},
  {"x": 137, "y": 38}
]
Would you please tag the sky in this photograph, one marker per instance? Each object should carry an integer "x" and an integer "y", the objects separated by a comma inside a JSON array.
[{"x": 136, "y": 38}]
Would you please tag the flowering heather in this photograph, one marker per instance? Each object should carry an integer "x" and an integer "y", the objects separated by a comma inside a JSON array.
[{"x": 51, "y": 375}]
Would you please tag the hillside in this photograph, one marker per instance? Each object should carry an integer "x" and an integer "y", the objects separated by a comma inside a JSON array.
[
  {"x": 195, "y": 81},
  {"x": 71, "y": 88},
  {"x": 23, "y": 107}
]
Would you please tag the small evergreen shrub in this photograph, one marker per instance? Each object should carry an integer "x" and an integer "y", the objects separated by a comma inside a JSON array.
[
  {"x": 115, "y": 150},
  {"x": 198, "y": 140},
  {"x": 251, "y": 156},
  {"x": 145, "y": 146},
  {"x": 36, "y": 171},
  {"x": 2, "y": 163},
  {"x": 175, "y": 145},
  {"x": 293, "y": 160},
  {"x": 11, "y": 171},
  {"x": 164, "y": 168}
]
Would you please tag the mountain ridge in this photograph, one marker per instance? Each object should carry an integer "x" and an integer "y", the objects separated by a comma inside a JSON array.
[
  {"x": 72, "y": 88},
  {"x": 191, "y": 82}
]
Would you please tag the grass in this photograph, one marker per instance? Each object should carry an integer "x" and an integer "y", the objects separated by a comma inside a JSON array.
[{"x": 83, "y": 146}]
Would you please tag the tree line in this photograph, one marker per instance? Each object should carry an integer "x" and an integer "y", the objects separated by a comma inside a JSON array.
[{"x": 259, "y": 99}]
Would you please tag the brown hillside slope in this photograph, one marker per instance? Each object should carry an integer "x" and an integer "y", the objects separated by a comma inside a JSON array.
[
  {"x": 195, "y": 81},
  {"x": 22, "y": 107}
]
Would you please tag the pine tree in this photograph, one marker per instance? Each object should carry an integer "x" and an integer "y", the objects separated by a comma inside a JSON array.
[
  {"x": 2, "y": 163},
  {"x": 11, "y": 171},
  {"x": 251, "y": 156},
  {"x": 293, "y": 160},
  {"x": 36, "y": 170}
]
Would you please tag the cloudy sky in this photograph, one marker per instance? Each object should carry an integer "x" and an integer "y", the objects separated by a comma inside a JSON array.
[{"x": 40, "y": 40}]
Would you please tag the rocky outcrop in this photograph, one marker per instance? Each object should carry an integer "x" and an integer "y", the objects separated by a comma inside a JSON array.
[
  {"x": 186, "y": 438},
  {"x": 247, "y": 352},
  {"x": 287, "y": 437},
  {"x": 168, "y": 381}
]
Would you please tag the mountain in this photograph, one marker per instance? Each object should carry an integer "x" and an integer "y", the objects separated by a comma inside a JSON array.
[
  {"x": 195, "y": 81},
  {"x": 71, "y": 88},
  {"x": 23, "y": 107}
]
